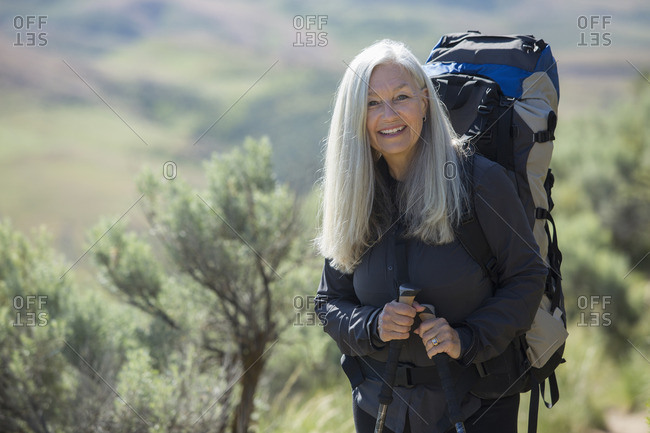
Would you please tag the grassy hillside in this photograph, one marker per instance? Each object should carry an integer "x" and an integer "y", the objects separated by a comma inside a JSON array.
[{"x": 127, "y": 84}]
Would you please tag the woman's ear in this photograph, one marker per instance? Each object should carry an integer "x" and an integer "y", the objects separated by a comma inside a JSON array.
[{"x": 425, "y": 102}]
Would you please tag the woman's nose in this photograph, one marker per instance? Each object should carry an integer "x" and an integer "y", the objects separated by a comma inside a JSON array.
[{"x": 389, "y": 112}]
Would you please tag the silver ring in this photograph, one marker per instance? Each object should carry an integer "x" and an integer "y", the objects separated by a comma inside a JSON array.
[{"x": 435, "y": 342}]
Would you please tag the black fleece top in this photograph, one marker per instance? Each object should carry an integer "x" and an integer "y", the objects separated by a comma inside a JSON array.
[{"x": 487, "y": 318}]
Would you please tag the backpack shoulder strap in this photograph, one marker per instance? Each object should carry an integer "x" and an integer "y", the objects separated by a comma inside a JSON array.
[{"x": 469, "y": 231}]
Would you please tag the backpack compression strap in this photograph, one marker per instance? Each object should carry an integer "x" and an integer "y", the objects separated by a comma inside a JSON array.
[{"x": 537, "y": 390}]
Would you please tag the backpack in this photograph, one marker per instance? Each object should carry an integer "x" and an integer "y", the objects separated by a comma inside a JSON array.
[{"x": 502, "y": 93}]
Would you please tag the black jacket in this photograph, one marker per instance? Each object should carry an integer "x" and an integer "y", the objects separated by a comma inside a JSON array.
[{"x": 488, "y": 318}]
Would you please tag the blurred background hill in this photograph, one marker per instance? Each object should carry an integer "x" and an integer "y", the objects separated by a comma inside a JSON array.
[{"x": 169, "y": 70}]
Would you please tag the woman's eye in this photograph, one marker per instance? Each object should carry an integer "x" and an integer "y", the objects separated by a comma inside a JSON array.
[
  {"x": 401, "y": 97},
  {"x": 373, "y": 103}
]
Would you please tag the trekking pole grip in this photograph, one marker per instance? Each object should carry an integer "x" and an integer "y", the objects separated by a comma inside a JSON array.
[{"x": 406, "y": 296}]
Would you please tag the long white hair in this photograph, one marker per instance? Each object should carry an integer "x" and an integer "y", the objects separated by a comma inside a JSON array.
[{"x": 431, "y": 197}]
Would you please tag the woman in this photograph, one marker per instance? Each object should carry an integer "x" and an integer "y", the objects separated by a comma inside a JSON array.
[{"x": 391, "y": 185}]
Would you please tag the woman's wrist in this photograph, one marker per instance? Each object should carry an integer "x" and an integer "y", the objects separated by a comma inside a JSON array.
[
  {"x": 373, "y": 330},
  {"x": 468, "y": 344}
]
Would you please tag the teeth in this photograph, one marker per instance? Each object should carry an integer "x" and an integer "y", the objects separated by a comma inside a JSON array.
[{"x": 392, "y": 131}]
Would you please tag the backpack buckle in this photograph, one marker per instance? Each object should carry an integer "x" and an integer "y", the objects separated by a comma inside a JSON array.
[
  {"x": 543, "y": 136},
  {"x": 403, "y": 377}
]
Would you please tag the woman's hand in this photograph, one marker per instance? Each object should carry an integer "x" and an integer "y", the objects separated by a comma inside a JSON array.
[
  {"x": 438, "y": 337},
  {"x": 396, "y": 319}
]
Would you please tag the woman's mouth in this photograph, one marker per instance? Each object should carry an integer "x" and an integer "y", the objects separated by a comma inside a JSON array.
[{"x": 392, "y": 131}]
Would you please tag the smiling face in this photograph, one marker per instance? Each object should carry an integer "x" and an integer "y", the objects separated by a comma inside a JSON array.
[{"x": 394, "y": 121}]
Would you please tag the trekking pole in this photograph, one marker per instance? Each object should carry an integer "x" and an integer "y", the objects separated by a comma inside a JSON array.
[
  {"x": 442, "y": 362},
  {"x": 406, "y": 296}
]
